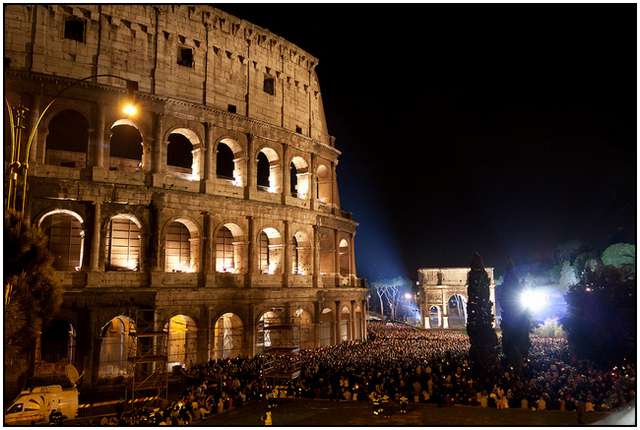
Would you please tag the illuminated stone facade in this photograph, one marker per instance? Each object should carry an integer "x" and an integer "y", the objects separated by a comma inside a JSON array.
[
  {"x": 443, "y": 296},
  {"x": 250, "y": 223}
]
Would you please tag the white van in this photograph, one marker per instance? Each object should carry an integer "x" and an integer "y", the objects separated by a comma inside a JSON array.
[{"x": 35, "y": 405}]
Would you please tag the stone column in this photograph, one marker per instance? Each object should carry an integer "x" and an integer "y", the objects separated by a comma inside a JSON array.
[
  {"x": 352, "y": 257},
  {"x": 312, "y": 182},
  {"x": 95, "y": 236},
  {"x": 251, "y": 331},
  {"x": 316, "y": 256},
  {"x": 287, "y": 255},
  {"x": 99, "y": 133},
  {"x": 210, "y": 157},
  {"x": 353, "y": 320},
  {"x": 250, "y": 254},
  {"x": 335, "y": 198},
  {"x": 317, "y": 315},
  {"x": 337, "y": 324},
  {"x": 336, "y": 258},
  {"x": 286, "y": 174},
  {"x": 363, "y": 333},
  {"x": 202, "y": 349},
  {"x": 252, "y": 180},
  {"x": 159, "y": 146}
]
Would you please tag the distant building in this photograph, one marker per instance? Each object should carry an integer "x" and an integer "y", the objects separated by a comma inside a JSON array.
[
  {"x": 443, "y": 296},
  {"x": 212, "y": 215}
]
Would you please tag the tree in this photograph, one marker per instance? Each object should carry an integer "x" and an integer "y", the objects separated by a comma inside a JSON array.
[
  {"x": 620, "y": 255},
  {"x": 601, "y": 315},
  {"x": 32, "y": 293},
  {"x": 515, "y": 322},
  {"x": 391, "y": 291},
  {"x": 483, "y": 353}
]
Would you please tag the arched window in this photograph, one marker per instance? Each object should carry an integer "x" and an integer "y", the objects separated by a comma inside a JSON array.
[
  {"x": 179, "y": 155},
  {"x": 125, "y": 145},
  {"x": 116, "y": 346},
  {"x": 58, "y": 342},
  {"x": 299, "y": 172},
  {"x": 65, "y": 239},
  {"x": 301, "y": 253},
  {"x": 264, "y": 252},
  {"x": 182, "y": 344},
  {"x": 178, "y": 248},
  {"x": 344, "y": 257},
  {"x": 225, "y": 261},
  {"x": 224, "y": 162},
  {"x": 228, "y": 336},
  {"x": 457, "y": 311},
  {"x": 122, "y": 247},
  {"x": 263, "y": 172},
  {"x": 67, "y": 140},
  {"x": 323, "y": 185}
]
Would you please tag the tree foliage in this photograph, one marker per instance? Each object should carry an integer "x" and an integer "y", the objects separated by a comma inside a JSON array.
[
  {"x": 389, "y": 291},
  {"x": 483, "y": 353},
  {"x": 31, "y": 288},
  {"x": 620, "y": 255},
  {"x": 515, "y": 322},
  {"x": 601, "y": 315}
]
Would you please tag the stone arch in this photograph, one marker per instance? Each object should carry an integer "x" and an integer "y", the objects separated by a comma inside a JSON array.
[
  {"x": 326, "y": 331},
  {"x": 229, "y": 161},
  {"x": 435, "y": 317},
  {"x": 304, "y": 320},
  {"x": 269, "y": 251},
  {"x": 268, "y": 170},
  {"x": 323, "y": 184},
  {"x": 345, "y": 324},
  {"x": 327, "y": 249},
  {"x": 58, "y": 342},
  {"x": 301, "y": 253},
  {"x": 344, "y": 258},
  {"x": 266, "y": 336},
  {"x": 182, "y": 340},
  {"x": 123, "y": 243},
  {"x": 67, "y": 139},
  {"x": 181, "y": 245},
  {"x": 184, "y": 151},
  {"x": 116, "y": 346},
  {"x": 65, "y": 232},
  {"x": 457, "y": 311},
  {"x": 299, "y": 177},
  {"x": 228, "y": 239},
  {"x": 228, "y": 336},
  {"x": 126, "y": 146}
]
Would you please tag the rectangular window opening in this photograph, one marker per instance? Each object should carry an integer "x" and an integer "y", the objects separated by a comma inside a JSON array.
[
  {"x": 269, "y": 85},
  {"x": 74, "y": 29},
  {"x": 185, "y": 57},
  {"x": 231, "y": 108},
  {"x": 298, "y": 129}
]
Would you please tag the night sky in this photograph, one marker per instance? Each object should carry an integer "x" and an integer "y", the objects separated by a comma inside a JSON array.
[{"x": 501, "y": 129}]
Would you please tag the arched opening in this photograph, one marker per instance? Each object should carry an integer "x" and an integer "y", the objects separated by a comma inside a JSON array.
[
  {"x": 270, "y": 251},
  {"x": 179, "y": 154},
  {"x": 301, "y": 254},
  {"x": 457, "y": 311},
  {"x": 345, "y": 324},
  {"x": 182, "y": 343},
  {"x": 224, "y": 162},
  {"x": 323, "y": 185},
  {"x": 299, "y": 178},
  {"x": 181, "y": 247},
  {"x": 266, "y": 336},
  {"x": 58, "y": 342},
  {"x": 228, "y": 248},
  {"x": 326, "y": 327},
  {"x": 435, "y": 317},
  {"x": 65, "y": 235},
  {"x": 305, "y": 326},
  {"x": 125, "y": 146},
  {"x": 228, "y": 337},
  {"x": 117, "y": 344},
  {"x": 327, "y": 249},
  {"x": 344, "y": 258},
  {"x": 123, "y": 244},
  {"x": 267, "y": 171},
  {"x": 67, "y": 140}
]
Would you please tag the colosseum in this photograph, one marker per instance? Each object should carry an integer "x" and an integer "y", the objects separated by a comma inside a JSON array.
[{"x": 209, "y": 212}]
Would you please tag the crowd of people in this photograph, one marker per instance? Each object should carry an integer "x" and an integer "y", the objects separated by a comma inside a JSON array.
[{"x": 406, "y": 365}]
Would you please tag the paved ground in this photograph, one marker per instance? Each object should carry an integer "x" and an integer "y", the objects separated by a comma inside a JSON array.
[{"x": 325, "y": 413}]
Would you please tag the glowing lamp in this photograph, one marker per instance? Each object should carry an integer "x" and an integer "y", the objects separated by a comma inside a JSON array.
[
  {"x": 129, "y": 109},
  {"x": 407, "y": 296},
  {"x": 533, "y": 300}
]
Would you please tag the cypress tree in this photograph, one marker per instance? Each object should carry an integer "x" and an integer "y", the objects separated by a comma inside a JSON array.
[
  {"x": 483, "y": 353},
  {"x": 515, "y": 322}
]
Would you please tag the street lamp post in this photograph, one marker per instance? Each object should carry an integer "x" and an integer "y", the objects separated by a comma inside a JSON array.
[{"x": 19, "y": 163}]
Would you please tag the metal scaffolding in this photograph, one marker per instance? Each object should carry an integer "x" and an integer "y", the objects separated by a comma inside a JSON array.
[{"x": 148, "y": 357}]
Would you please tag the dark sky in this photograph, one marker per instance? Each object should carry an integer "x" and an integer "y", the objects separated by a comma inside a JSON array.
[{"x": 501, "y": 129}]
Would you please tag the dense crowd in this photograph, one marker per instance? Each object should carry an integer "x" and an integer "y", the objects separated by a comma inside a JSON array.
[{"x": 403, "y": 364}]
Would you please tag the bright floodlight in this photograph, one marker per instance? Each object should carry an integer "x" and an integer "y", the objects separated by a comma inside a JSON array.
[
  {"x": 130, "y": 110},
  {"x": 533, "y": 300},
  {"x": 407, "y": 296}
]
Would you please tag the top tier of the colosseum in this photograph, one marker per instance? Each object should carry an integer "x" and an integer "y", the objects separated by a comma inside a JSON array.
[{"x": 195, "y": 53}]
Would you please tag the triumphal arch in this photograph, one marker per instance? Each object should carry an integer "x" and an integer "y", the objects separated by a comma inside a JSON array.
[{"x": 443, "y": 296}]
